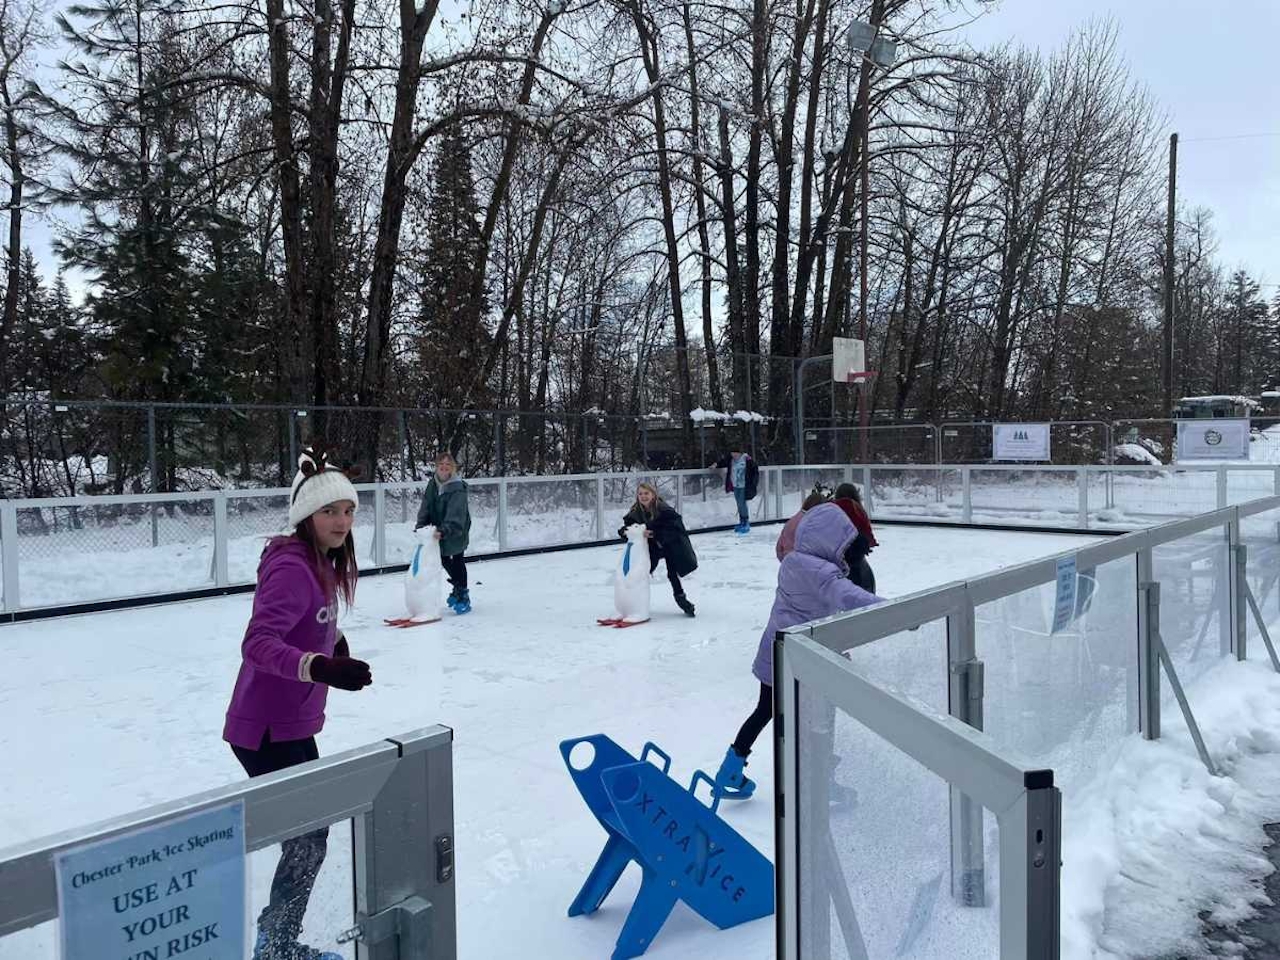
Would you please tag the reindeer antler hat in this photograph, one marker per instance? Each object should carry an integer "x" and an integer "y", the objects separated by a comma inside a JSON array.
[{"x": 318, "y": 483}]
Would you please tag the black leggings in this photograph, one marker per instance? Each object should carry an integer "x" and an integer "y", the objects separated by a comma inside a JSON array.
[
  {"x": 280, "y": 922},
  {"x": 456, "y": 568},
  {"x": 655, "y": 555},
  {"x": 755, "y": 723}
]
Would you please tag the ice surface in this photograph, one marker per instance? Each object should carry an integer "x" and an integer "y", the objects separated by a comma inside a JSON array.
[{"x": 104, "y": 713}]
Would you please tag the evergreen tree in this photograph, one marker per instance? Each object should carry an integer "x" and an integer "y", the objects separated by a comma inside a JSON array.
[
  {"x": 1246, "y": 334},
  {"x": 451, "y": 337},
  {"x": 123, "y": 126}
]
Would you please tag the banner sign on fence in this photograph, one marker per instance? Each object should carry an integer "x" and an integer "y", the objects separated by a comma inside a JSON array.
[
  {"x": 173, "y": 890},
  {"x": 1020, "y": 441},
  {"x": 1213, "y": 440},
  {"x": 1064, "y": 605}
]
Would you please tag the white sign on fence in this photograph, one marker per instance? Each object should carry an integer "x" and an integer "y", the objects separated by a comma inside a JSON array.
[
  {"x": 1020, "y": 441},
  {"x": 1213, "y": 440},
  {"x": 1064, "y": 601},
  {"x": 173, "y": 890}
]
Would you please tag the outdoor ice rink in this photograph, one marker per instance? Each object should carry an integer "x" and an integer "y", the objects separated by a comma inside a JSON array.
[{"x": 105, "y": 713}]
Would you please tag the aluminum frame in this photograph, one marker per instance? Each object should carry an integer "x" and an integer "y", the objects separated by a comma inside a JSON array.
[
  {"x": 769, "y": 505},
  {"x": 809, "y": 657},
  {"x": 399, "y": 794},
  {"x": 1023, "y": 798}
]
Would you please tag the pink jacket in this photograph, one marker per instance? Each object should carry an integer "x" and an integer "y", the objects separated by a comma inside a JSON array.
[
  {"x": 291, "y": 617},
  {"x": 787, "y": 538}
]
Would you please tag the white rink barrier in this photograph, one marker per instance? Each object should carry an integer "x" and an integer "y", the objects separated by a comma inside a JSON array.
[{"x": 58, "y": 552}]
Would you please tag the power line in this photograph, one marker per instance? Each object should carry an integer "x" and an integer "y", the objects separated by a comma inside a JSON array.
[{"x": 1230, "y": 136}]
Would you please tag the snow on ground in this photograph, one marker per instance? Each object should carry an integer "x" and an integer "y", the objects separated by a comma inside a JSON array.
[
  {"x": 1151, "y": 839},
  {"x": 147, "y": 689}
]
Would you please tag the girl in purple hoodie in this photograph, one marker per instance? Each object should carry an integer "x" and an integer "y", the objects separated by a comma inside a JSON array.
[
  {"x": 812, "y": 584},
  {"x": 293, "y": 652}
]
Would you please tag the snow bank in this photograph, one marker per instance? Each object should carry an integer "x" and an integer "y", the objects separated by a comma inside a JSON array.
[
  {"x": 1153, "y": 840},
  {"x": 1135, "y": 453}
]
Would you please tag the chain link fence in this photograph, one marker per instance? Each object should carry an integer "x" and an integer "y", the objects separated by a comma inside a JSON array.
[{"x": 77, "y": 448}]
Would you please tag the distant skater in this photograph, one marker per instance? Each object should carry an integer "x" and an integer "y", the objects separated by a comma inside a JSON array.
[
  {"x": 445, "y": 507},
  {"x": 742, "y": 479},
  {"x": 667, "y": 540},
  {"x": 849, "y": 499}
]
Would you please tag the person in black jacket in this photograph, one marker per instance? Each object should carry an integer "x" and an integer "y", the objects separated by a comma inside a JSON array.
[
  {"x": 741, "y": 478},
  {"x": 667, "y": 540}
]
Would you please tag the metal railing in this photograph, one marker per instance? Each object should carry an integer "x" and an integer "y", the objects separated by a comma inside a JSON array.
[
  {"x": 398, "y": 795},
  {"x": 1057, "y": 660},
  {"x": 64, "y": 551}
]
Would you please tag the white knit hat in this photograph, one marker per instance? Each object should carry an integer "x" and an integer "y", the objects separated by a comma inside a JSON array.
[{"x": 316, "y": 485}]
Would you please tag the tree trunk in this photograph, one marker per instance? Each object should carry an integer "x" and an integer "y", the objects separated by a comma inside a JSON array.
[
  {"x": 733, "y": 275},
  {"x": 402, "y": 152},
  {"x": 649, "y": 49},
  {"x": 704, "y": 240},
  {"x": 297, "y": 336}
]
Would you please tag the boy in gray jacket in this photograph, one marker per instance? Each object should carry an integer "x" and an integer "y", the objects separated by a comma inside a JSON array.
[{"x": 444, "y": 506}]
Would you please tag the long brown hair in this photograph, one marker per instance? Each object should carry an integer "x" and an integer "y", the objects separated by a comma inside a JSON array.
[
  {"x": 658, "y": 502},
  {"x": 336, "y": 569}
]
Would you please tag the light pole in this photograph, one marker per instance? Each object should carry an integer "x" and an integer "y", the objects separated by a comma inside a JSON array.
[{"x": 868, "y": 47}]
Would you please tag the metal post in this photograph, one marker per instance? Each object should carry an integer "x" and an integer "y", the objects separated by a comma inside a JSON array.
[
  {"x": 799, "y": 405},
  {"x": 600, "y": 508},
  {"x": 502, "y": 514},
  {"x": 499, "y": 447},
  {"x": 9, "y": 555},
  {"x": 966, "y": 509},
  {"x": 679, "y": 492},
  {"x": 405, "y": 843},
  {"x": 155, "y": 478},
  {"x": 1030, "y": 872},
  {"x": 1222, "y": 488},
  {"x": 777, "y": 494},
  {"x": 702, "y": 443},
  {"x": 221, "y": 577},
  {"x": 1148, "y": 656},
  {"x": 380, "y": 525},
  {"x": 402, "y": 427},
  {"x": 290, "y": 418},
  {"x": 964, "y": 698},
  {"x": 867, "y": 499},
  {"x": 1082, "y": 498},
  {"x": 1239, "y": 586}
]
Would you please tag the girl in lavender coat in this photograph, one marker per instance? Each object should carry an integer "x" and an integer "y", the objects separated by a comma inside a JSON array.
[
  {"x": 812, "y": 583},
  {"x": 292, "y": 653}
]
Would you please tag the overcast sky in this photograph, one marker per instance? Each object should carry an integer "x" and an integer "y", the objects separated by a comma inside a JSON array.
[{"x": 1214, "y": 69}]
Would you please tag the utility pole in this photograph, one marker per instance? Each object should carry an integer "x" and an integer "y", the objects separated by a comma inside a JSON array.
[{"x": 1170, "y": 218}]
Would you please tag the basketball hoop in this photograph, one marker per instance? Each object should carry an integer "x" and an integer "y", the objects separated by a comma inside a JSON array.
[{"x": 849, "y": 361}]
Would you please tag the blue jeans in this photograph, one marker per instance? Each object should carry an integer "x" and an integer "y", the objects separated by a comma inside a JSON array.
[{"x": 740, "y": 496}]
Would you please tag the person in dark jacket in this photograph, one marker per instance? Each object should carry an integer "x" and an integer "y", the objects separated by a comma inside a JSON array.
[
  {"x": 850, "y": 501},
  {"x": 444, "y": 506},
  {"x": 667, "y": 540},
  {"x": 742, "y": 479}
]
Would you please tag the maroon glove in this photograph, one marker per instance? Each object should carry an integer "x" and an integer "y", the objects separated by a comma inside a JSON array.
[
  {"x": 345, "y": 673},
  {"x": 340, "y": 649}
]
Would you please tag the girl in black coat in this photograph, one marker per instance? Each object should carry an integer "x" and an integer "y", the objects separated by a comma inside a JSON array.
[{"x": 667, "y": 540}]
